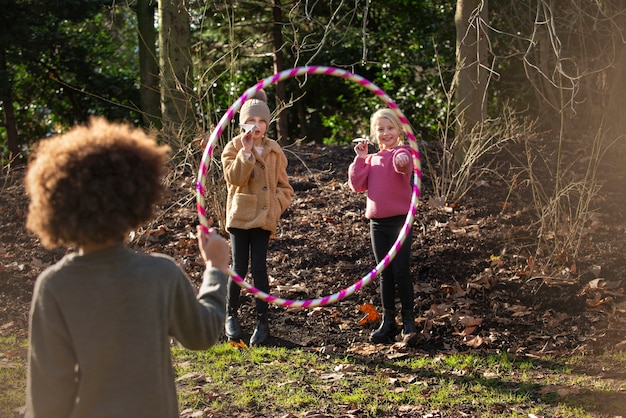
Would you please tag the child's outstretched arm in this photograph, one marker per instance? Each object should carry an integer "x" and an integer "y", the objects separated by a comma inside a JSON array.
[
  {"x": 402, "y": 162},
  {"x": 199, "y": 326},
  {"x": 214, "y": 249}
]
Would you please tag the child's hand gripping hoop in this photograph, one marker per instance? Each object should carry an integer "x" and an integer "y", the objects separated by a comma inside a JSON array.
[{"x": 417, "y": 176}]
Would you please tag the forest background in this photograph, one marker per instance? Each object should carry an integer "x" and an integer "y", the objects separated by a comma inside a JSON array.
[
  {"x": 518, "y": 108},
  {"x": 560, "y": 63},
  {"x": 473, "y": 77}
]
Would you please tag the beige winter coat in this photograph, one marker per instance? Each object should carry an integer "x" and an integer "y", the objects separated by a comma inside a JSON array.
[{"x": 258, "y": 187}]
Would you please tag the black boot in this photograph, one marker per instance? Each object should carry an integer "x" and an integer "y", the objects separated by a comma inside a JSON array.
[
  {"x": 408, "y": 325},
  {"x": 387, "y": 330},
  {"x": 231, "y": 326},
  {"x": 261, "y": 331}
]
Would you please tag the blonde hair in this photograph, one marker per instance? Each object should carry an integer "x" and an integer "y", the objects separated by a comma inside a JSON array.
[{"x": 393, "y": 117}]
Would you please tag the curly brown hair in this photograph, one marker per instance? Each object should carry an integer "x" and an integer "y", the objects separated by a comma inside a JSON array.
[{"x": 93, "y": 184}]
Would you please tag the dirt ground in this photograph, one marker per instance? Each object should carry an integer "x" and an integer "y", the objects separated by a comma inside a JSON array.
[{"x": 479, "y": 285}]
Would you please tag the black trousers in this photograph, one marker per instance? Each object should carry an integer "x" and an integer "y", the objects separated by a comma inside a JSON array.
[
  {"x": 397, "y": 275},
  {"x": 249, "y": 244}
]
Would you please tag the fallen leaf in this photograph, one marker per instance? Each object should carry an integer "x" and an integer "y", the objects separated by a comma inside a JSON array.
[
  {"x": 157, "y": 232},
  {"x": 363, "y": 349},
  {"x": 470, "y": 321},
  {"x": 238, "y": 344},
  {"x": 371, "y": 315},
  {"x": 345, "y": 368},
  {"x": 595, "y": 270},
  {"x": 597, "y": 301},
  {"x": 37, "y": 263},
  {"x": 393, "y": 356},
  {"x": 475, "y": 342},
  {"x": 318, "y": 311},
  {"x": 468, "y": 330},
  {"x": 332, "y": 376},
  {"x": 454, "y": 290},
  {"x": 520, "y": 310},
  {"x": 596, "y": 283},
  {"x": 295, "y": 288},
  {"x": 193, "y": 376},
  {"x": 620, "y": 346},
  {"x": 436, "y": 202}
]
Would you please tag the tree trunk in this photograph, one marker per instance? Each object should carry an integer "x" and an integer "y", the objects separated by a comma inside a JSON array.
[
  {"x": 148, "y": 64},
  {"x": 471, "y": 56},
  {"x": 6, "y": 98},
  {"x": 282, "y": 125},
  {"x": 617, "y": 81},
  {"x": 176, "y": 70}
]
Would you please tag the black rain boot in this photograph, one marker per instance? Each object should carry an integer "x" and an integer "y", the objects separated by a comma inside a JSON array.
[
  {"x": 231, "y": 325},
  {"x": 408, "y": 326},
  {"x": 387, "y": 330},
  {"x": 261, "y": 331}
]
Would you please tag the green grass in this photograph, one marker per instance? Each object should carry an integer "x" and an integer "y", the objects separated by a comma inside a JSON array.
[
  {"x": 229, "y": 381},
  {"x": 276, "y": 381},
  {"x": 12, "y": 375}
]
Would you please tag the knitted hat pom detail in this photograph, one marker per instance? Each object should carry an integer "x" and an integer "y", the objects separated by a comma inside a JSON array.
[{"x": 260, "y": 95}]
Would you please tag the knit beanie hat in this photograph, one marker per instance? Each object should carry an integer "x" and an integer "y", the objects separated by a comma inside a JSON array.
[{"x": 255, "y": 106}]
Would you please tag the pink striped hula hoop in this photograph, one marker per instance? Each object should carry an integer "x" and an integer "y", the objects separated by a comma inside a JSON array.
[{"x": 417, "y": 175}]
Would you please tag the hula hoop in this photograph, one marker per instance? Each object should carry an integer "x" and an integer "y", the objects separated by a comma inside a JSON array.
[{"x": 417, "y": 175}]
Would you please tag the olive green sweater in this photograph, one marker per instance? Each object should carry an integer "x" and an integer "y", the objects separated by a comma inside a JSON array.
[{"x": 100, "y": 327}]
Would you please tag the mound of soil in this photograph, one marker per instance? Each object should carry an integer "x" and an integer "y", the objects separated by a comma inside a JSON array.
[{"x": 478, "y": 280}]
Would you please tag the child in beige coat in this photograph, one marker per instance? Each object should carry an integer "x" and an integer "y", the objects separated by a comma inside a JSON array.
[{"x": 255, "y": 169}]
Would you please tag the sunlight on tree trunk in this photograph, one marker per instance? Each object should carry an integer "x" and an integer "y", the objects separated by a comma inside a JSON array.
[
  {"x": 471, "y": 70},
  {"x": 176, "y": 67},
  {"x": 617, "y": 98}
]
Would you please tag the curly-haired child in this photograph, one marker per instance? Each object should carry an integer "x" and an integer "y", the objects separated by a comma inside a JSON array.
[{"x": 101, "y": 318}]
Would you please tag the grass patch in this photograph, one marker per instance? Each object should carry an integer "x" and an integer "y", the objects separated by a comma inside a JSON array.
[
  {"x": 12, "y": 376},
  {"x": 231, "y": 381}
]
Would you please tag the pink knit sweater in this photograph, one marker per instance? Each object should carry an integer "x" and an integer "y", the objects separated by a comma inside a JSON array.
[{"x": 388, "y": 186}]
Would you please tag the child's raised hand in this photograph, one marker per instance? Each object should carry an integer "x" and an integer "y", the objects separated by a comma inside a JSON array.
[
  {"x": 361, "y": 149},
  {"x": 402, "y": 160},
  {"x": 247, "y": 141},
  {"x": 214, "y": 249}
]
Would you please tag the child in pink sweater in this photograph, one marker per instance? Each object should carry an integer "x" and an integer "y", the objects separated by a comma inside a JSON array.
[{"x": 386, "y": 177}]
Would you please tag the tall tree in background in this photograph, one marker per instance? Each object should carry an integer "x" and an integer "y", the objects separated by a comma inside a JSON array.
[
  {"x": 6, "y": 97},
  {"x": 617, "y": 80},
  {"x": 471, "y": 55},
  {"x": 176, "y": 69},
  {"x": 148, "y": 63},
  {"x": 282, "y": 127}
]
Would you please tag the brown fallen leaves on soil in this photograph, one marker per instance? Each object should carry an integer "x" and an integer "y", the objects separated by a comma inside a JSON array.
[{"x": 478, "y": 285}]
